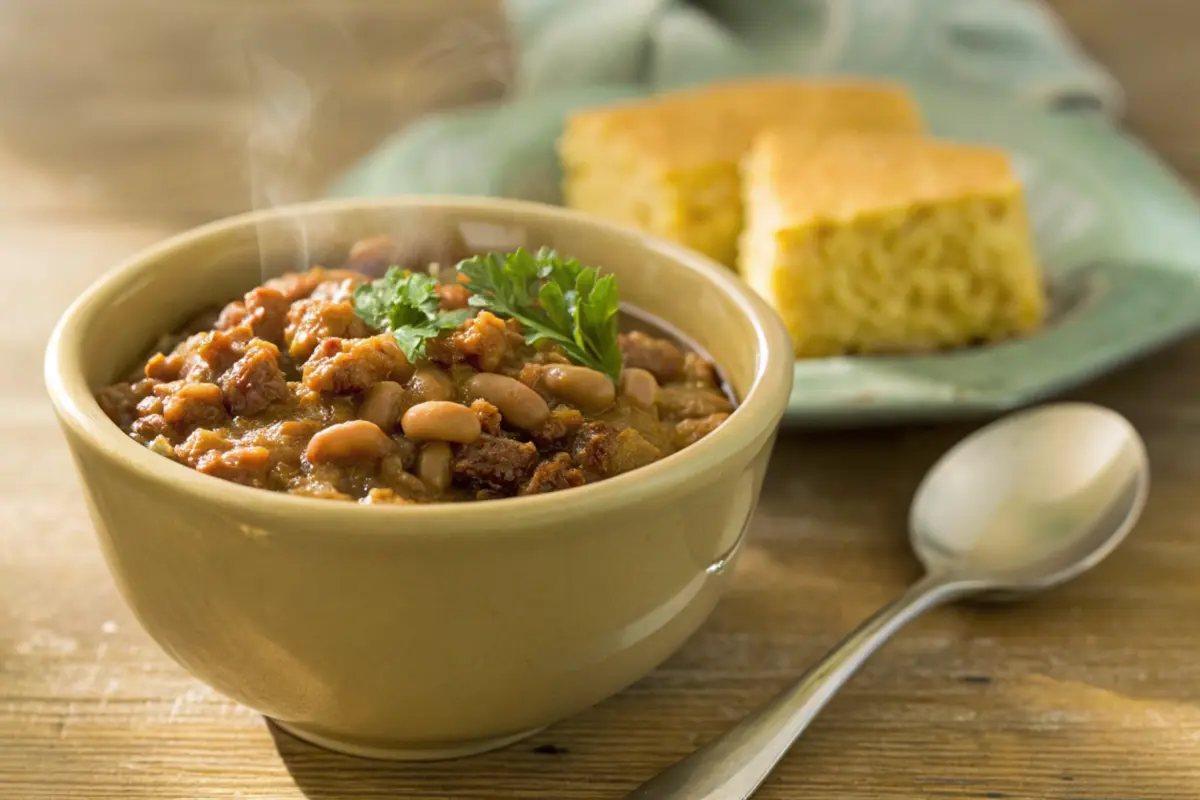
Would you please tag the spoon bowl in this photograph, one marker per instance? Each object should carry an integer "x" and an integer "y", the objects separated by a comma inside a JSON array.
[{"x": 1033, "y": 500}]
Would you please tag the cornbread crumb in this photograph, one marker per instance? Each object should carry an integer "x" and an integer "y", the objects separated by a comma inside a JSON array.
[
  {"x": 888, "y": 243},
  {"x": 669, "y": 164}
]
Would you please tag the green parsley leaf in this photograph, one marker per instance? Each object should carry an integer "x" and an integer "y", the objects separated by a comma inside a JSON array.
[
  {"x": 555, "y": 299},
  {"x": 406, "y": 304}
]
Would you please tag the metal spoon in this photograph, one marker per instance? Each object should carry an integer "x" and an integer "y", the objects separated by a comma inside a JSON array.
[{"x": 1024, "y": 504}]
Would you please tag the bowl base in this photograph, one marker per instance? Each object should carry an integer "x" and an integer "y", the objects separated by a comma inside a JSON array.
[{"x": 383, "y": 752}]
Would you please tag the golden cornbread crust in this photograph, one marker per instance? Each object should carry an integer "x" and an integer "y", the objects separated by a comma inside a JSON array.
[
  {"x": 669, "y": 164},
  {"x": 888, "y": 243},
  {"x": 690, "y": 128}
]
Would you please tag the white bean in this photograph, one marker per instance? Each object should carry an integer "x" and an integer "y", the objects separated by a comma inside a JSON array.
[
  {"x": 441, "y": 420},
  {"x": 518, "y": 404}
]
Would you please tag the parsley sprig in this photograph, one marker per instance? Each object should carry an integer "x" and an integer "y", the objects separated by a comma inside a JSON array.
[
  {"x": 555, "y": 299},
  {"x": 406, "y": 304}
]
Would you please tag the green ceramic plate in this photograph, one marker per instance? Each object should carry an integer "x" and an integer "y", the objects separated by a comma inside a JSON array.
[{"x": 1118, "y": 236}]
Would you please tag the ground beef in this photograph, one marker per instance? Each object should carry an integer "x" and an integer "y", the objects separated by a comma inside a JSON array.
[
  {"x": 119, "y": 402},
  {"x": 603, "y": 451},
  {"x": 163, "y": 367},
  {"x": 286, "y": 439},
  {"x": 162, "y": 446},
  {"x": 632, "y": 451},
  {"x": 593, "y": 448},
  {"x": 453, "y": 296},
  {"x": 657, "y": 356},
  {"x": 489, "y": 416},
  {"x": 150, "y": 405},
  {"x": 556, "y": 472},
  {"x": 305, "y": 404},
  {"x": 199, "y": 443},
  {"x": 255, "y": 381},
  {"x": 245, "y": 465},
  {"x": 531, "y": 374},
  {"x": 484, "y": 340},
  {"x": 698, "y": 372},
  {"x": 495, "y": 463},
  {"x": 690, "y": 402},
  {"x": 268, "y": 312},
  {"x": 194, "y": 405},
  {"x": 151, "y": 426},
  {"x": 563, "y": 423},
  {"x": 343, "y": 366},
  {"x": 340, "y": 290},
  {"x": 232, "y": 316},
  {"x": 298, "y": 285},
  {"x": 690, "y": 431},
  {"x": 208, "y": 355},
  {"x": 310, "y": 321}
]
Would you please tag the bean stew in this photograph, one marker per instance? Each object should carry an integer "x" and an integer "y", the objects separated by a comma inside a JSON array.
[{"x": 506, "y": 374}]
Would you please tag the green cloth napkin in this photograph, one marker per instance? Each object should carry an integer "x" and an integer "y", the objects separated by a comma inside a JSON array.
[{"x": 576, "y": 53}]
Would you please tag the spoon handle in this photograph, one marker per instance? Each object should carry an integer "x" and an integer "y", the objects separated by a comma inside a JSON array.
[{"x": 734, "y": 765}]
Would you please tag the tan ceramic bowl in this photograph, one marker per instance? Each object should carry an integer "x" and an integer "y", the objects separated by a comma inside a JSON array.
[{"x": 422, "y": 631}]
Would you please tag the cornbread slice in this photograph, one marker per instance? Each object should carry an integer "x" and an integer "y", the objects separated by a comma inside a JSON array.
[
  {"x": 669, "y": 164},
  {"x": 888, "y": 243}
]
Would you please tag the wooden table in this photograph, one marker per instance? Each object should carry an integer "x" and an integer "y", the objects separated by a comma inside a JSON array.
[{"x": 124, "y": 120}]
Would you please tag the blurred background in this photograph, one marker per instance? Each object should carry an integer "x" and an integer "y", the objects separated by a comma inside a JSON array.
[
  {"x": 122, "y": 104},
  {"x": 146, "y": 109}
]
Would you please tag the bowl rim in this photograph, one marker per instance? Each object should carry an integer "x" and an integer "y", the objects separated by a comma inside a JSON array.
[{"x": 757, "y": 415}]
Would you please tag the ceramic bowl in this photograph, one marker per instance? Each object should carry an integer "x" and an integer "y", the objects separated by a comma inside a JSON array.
[{"x": 420, "y": 631}]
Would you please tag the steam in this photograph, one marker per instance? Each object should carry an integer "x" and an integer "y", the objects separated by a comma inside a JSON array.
[
  {"x": 288, "y": 72},
  {"x": 279, "y": 153},
  {"x": 298, "y": 78},
  {"x": 278, "y": 147}
]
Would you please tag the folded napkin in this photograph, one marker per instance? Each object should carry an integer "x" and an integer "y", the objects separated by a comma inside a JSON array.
[{"x": 574, "y": 54}]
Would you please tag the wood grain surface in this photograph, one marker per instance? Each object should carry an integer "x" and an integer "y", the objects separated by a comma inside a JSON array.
[{"x": 125, "y": 120}]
